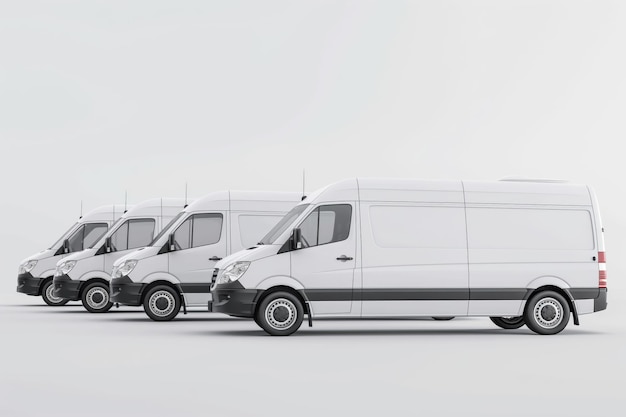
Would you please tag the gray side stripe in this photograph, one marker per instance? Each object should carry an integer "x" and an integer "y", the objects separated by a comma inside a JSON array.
[
  {"x": 195, "y": 288},
  {"x": 421, "y": 294}
]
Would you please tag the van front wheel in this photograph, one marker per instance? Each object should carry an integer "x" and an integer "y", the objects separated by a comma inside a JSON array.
[
  {"x": 280, "y": 314},
  {"x": 162, "y": 303},
  {"x": 547, "y": 313},
  {"x": 95, "y": 298},
  {"x": 48, "y": 296},
  {"x": 508, "y": 322}
]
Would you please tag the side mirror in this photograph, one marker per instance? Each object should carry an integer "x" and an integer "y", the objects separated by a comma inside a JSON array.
[
  {"x": 296, "y": 239},
  {"x": 170, "y": 242},
  {"x": 107, "y": 245},
  {"x": 66, "y": 246}
]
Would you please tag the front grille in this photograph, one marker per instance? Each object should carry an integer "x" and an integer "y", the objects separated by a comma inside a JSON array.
[{"x": 214, "y": 278}]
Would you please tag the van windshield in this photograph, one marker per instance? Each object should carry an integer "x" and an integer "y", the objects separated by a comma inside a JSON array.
[
  {"x": 283, "y": 224},
  {"x": 166, "y": 228},
  {"x": 63, "y": 236}
]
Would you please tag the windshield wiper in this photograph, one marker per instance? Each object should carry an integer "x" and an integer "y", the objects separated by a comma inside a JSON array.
[{"x": 260, "y": 243}]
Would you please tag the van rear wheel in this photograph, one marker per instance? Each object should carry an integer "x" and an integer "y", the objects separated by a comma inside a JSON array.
[
  {"x": 280, "y": 314},
  {"x": 508, "y": 322},
  {"x": 547, "y": 313},
  {"x": 162, "y": 303},
  {"x": 48, "y": 296},
  {"x": 95, "y": 298}
]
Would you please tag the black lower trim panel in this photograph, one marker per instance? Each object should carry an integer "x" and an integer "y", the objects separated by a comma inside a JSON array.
[
  {"x": 600, "y": 303},
  {"x": 124, "y": 291},
  {"x": 234, "y": 300},
  {"x": 66, "y": 288},
  {"x": 28, "y": 284}
]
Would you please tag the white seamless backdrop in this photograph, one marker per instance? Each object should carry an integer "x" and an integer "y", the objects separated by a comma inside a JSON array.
[{"x": 101, "y": 97}]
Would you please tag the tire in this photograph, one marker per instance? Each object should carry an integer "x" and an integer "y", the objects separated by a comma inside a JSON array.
[
  {"x": 95, "y": 298},
  {"x": 280, "y": 313},
  {"x": 162, "y": 303},
  {"x": 443, "y": 318},
  {"x": 547, "y": 313},
  {"x": 49, "y": 298},
  {"x": 508, "y": 323}
]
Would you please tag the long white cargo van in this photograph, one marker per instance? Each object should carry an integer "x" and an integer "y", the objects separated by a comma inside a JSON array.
[
  {"x": 176, "y": 268},
  {"x": 36, "y": 272},
  {"x": 518, "y": 251},
  {"x": 85, "y": 275}
]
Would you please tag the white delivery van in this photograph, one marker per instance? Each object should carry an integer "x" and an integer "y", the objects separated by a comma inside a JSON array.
[
  {"x": 36, "y": 272},
  {"x": 520, "y": 252},
  {"x": 85, "y": 275},
  {"x": 177, "y": 267}
]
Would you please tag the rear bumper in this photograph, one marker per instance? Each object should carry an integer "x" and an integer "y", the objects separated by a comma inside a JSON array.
[
  {"x": 600, "y": 303},
  {"x": 66, "y": 288},
  {"x": 124, "y": 291},
  {"x": 28, "y": 284},
  {"x": 234, "y": 300}
]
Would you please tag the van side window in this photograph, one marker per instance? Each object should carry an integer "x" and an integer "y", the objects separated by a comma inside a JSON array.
[
  {"x": 206, "y": 230},
  {"x": 140, "y": 233},
  {"x": 182, "y": 236},
  {"x": 199, "y": 230},
  {"x": 93, "y": 233},
  {"x": 326, "y": 224},
  {"x": 132, "y": 234},
  {"x": 86, "y": 235}
]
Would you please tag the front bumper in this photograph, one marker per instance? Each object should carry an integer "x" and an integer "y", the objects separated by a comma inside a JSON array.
[
  {"x": 28, "y": 284},
  {"x": 233, "y": 299},
  {"x": 124, "y": 291},
  {"x": 66, "y": 288}
]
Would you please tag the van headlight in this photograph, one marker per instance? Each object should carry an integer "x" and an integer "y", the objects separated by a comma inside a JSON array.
[
  {"x": 125, "y": 268},
  {"x": 27, "y": 266},
  {"x": 233, "y": 272},
  {"x": 65, "y": 267}
]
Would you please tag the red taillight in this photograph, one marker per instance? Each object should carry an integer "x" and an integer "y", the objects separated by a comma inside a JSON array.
[{"x": 602, "y": 270}]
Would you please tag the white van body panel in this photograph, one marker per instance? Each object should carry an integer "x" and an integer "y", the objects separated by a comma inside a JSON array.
[
  {"x": 47, "y": 260},
  {"x": 246, "y": 217},
  {"x": 94, "y": 263},
  {"x": 437, "y": 248}
]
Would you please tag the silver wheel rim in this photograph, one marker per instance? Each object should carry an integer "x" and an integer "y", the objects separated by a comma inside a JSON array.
[
  {"x": 548, "y": 313},
  {"x": 50, "y": 296},
  {"x": 97, "y": 291},
  {"x": 281, "y": 314},
  {"x": 157, "y": 298}
]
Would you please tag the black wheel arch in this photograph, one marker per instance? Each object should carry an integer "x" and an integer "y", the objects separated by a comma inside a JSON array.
[{"x": 562, "y": 291}]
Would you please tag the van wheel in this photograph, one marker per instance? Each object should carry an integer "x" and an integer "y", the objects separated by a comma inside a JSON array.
[
  {"x": 48, "y": 296},
  {"x": 508, "y": 322},
  {"x": 162, "y": 303},
  {"x": 443, "y": 318},
  {"x": 95, "y": 298},
  {"x": 547, "y": 313},
  {"x": 280, "y": 313}
]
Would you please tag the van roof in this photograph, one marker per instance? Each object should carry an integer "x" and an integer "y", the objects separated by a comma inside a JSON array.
[
  {"x": 155, "y": 206},
  {"x": 109, "y": 212},
  {"x": 235, "y": 199},
  {"x": 445, "y": 191}
]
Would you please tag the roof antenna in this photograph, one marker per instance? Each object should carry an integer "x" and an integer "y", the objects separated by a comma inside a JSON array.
[
  {"x": 125, "y": 200},
  {"x": 303, "y": 188},
  {"x": 185, "y": 206},
  {"x": 81, "y": 209}
]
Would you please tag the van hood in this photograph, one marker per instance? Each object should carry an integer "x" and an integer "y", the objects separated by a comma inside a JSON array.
[
  {"x": 249, "y": 255},
  {"x": 77, "y": 256},
  {"x": 48, "y": 253},
  {"x": 138, "y": 254}
]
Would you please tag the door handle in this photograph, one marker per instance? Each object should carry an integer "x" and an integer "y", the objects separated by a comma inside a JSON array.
[
  {"x": 215, "y": 258},
  {"x": 344, "y": 258}
]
